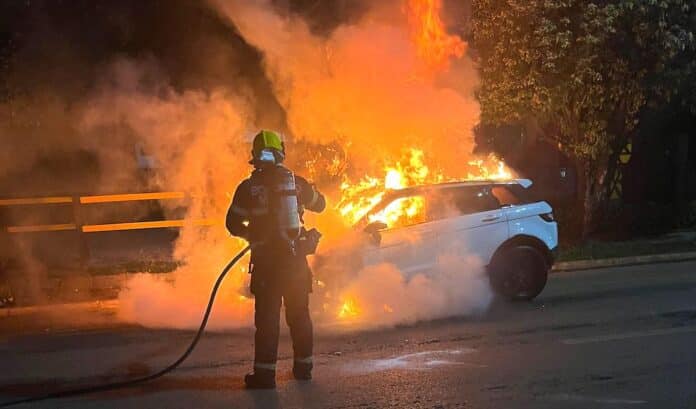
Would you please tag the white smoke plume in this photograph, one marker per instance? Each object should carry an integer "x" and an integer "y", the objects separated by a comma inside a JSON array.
[
  {"x": 380, "y": 294},
  {"x": 200, "y": 142},
  {"x": 362, "y": 87},
  {"x": 385, "y": 296}
]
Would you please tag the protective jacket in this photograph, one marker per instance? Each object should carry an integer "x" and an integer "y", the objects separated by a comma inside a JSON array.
[
  {"x": 252, "y": 214},
  {"x": 280, "y": 273}
]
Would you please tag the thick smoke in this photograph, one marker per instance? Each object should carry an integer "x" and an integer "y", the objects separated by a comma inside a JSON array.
[
  {"x": 201, "y": 143},
  {"x": 360, "y": 85},
  {"x": 82, "y": 86},
  {"x": 378, "y": 293},
  {"x": 364, "y": 88},
  {"x": 382, "y": 295},
  {"x": 363, "y": 85}
]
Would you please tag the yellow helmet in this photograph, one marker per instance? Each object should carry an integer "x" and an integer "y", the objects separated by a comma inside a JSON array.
[{"x": 266, "y": 141}]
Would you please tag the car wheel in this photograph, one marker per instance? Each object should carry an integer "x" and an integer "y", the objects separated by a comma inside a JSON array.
[{"x": 518, "y": 273}]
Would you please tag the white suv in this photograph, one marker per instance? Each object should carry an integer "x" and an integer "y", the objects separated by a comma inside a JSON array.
[{"x": 515, "y": 238}]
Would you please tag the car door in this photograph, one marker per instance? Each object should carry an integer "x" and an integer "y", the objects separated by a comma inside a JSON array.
[
  {"x": 409, "y": 243},
  {"x": 480, "y": 226}
]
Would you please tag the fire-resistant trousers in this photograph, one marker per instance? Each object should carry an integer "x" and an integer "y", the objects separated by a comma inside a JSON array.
[{"x": 272, "y": 289}]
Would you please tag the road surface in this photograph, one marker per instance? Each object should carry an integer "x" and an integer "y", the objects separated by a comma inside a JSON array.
[{"x": 606, "y": 338}]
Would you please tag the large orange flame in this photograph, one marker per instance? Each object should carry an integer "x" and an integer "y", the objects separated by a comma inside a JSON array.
[
  {"x": 435, "y": 46},
  {"x": 360, "y": 197}
]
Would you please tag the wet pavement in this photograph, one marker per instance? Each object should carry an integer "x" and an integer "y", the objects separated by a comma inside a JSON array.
[{"x": 614, "y": 338}]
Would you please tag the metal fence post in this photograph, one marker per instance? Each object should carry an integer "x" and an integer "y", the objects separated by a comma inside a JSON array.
[{"x": 83, "y": 247}]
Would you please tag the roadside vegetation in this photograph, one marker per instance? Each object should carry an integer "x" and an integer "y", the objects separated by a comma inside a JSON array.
[
  {"x": 594, "y": 250},
  {"x": 584, "y": 77},
  {"x": 135, "y": 266}
]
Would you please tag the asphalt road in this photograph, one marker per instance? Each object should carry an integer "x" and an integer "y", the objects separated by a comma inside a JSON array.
[{"x": 614, "y": 338}]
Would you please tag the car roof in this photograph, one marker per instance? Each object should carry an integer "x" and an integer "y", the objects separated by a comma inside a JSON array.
[
  {"x": 525, "y": 183},
  {"x": 392, "y": 194}
]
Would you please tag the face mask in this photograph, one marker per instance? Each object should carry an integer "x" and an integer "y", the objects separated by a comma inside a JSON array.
[{"x": 266, "y": 156}]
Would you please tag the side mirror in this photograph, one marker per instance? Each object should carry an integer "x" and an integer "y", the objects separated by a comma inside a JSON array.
[
  {"x": 375, "y": 227},
  {"x": 373, "y": 230}
]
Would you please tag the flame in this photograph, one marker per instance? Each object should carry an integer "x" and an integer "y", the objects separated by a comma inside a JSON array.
[
  {"x": 490, "y": 168},
  {"x": 345, "y": 92},
  {"x": 357, "y": 199},
  {"x": 349, "y": 309},
  {"x": 435, "y": 46}
]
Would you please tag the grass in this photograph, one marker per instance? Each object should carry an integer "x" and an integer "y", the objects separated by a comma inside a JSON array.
[
  {"x": 601, "y": 250},
  {"x": 155, "y": 267},
  {"x": 590, "y": 250}
]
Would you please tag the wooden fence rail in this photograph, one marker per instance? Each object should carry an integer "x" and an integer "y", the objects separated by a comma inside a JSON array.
[{"x": 80, "y": 228}]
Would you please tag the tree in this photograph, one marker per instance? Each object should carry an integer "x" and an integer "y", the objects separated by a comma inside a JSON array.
[{"x": 583, "y": 71}]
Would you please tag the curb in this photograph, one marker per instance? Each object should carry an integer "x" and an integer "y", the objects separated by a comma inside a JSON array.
[
  {"x": 61, "y": 308},
  {"x": 622, "y": 261},
  {"x": 559, "y": 267}
]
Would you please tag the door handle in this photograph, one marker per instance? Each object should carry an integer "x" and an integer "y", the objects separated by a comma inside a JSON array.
[{"x": 490, "y": 219}]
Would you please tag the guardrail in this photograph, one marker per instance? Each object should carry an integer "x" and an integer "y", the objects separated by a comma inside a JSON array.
[{"x": 80, "y": 228}]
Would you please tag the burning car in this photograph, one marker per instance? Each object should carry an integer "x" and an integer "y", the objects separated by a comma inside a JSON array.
[{"x": 514, "y": 237}]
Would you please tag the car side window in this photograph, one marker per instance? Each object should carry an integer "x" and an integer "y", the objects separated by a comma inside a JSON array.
[
  {"x": 402, "y": 212},
  {"x": 440, "y": 205},
  {"x": 505, "y": 196},
  {"x": 436, "y": 205},
  {"x": 417, "y": 209},
  {"x": 476, "y": 199}
]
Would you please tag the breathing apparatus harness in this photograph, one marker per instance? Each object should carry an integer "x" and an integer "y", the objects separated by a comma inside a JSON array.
[{"x": 281, "y": 202}]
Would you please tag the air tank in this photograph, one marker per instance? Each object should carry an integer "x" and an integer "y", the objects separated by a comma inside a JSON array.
[{"x": 287, "y": 212}]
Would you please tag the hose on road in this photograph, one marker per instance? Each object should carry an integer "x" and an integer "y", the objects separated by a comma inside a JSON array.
[{"x": 132, "y": 382}]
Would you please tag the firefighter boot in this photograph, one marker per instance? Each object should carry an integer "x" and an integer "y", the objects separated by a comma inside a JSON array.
[
  {"x": 302, "y": 370},
  {"x": 260, "y": 379}
]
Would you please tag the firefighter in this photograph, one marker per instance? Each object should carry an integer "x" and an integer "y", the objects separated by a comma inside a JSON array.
[{"x": 267, "y": 211}]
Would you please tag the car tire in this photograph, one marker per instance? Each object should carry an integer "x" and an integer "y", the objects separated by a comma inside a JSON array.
[{"x": 518, "y": 273}]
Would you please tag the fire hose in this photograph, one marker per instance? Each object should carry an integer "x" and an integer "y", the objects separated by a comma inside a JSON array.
[{"x": 132, "y": 382}]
